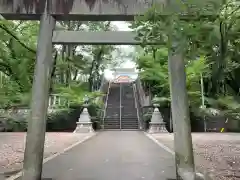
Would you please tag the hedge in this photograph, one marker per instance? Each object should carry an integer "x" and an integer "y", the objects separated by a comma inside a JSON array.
[{"x": 62, "y": 120}]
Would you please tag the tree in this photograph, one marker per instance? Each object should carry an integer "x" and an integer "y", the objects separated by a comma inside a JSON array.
[
  {"x": 17, "y": 59},
  {"x": 215, "y": 41}
]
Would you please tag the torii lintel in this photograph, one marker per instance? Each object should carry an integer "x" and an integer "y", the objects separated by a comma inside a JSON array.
[{"x": 100, "y": 10}]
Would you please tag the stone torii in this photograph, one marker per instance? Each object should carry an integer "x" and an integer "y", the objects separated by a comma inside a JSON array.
[{"x": 48, "y": 11}]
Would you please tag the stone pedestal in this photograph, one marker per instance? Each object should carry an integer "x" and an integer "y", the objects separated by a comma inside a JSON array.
[
  {"x": 157, "y": 128},
  {"x": 157, "y": 125},
  {"x": 84, "y": 124},
  {"x": 84, "y": 128}
]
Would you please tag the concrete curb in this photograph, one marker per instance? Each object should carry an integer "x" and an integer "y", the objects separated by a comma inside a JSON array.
[
  {"x": 19, "y": 174},
  {"x": 199, "y": 176},
  {"x": 9, "y": 173}
]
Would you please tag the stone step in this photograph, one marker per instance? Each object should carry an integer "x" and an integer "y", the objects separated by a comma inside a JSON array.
[
  {"x": 112, "y": 119},
  {"x": 129, "y": 125},
  {"x": 129, "y": 120},
  {"x": 130, "y": 128},
  {"x": 112, "y": 113},
  {"x": 111, "y": 124},
  {"x": 122, "y": 120},
  {"x": 109, "y": 116},
  {"x": 118, "y": 121},
  {"x": 128, "y": 114},
  {"x": 126, "y": 125},
  {"x": 129, "y": 117},
  {"x": 112, "y": 127},
  {"x": 122, "y": 128}
]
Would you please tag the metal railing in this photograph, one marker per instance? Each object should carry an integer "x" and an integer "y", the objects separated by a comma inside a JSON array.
[
  {"x": 120, "y": 104},
  {"x": 106, "y": 103},
  {"x": 56, "y": 100},
  {"x": 143, "y": 98},
  {"x": 137, "y": 106},
  {"x": 103, "y": 81},
  {"x": 143, "y": 101}
]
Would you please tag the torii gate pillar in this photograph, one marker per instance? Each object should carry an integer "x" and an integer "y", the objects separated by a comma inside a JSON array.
[
  {"x": 180, "y": 114},
  {"x": 33, "y": 155}
]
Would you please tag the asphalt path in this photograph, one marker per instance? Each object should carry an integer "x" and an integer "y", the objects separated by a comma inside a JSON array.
[{"x": 113, "y": 155}]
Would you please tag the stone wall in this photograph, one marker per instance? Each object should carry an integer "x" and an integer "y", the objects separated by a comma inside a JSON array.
[{"x": 20, "y": 113}]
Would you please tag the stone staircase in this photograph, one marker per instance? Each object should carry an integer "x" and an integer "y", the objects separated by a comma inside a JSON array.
[
  {"x": 112, "y": 117},
  {"x": 128, "y": 119}
]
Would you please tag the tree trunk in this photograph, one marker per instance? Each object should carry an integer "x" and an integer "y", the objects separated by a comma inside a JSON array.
[
  {"x": 75, "y": 75},
  {"x": 53, "y": 73},
  {"x": 90, "y": 79},
  {"x": 61, "y": 69}
]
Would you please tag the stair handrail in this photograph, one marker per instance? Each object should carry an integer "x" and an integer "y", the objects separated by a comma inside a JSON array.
[
  {"x": 137, "y": 106},
  {"x": 103, "y": 80},
  {"x": 142, "y": 96},
  {"x": 120, "y": 108},
  {"x": 106, "y": 103},
  {"x": 143, "y": 101},
  {"x": 141, "y": 92}
]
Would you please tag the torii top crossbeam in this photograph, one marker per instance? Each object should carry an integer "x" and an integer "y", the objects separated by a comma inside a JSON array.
[{"x": 96, "y": 10}]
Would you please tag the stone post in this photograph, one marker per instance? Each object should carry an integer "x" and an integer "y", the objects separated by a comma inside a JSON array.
[
  {"x": 84, "y": 124},
  {"x": 157, "y": 125},
  {"x": 33, "y": 155},
  {"x": 180, "y": 115}
]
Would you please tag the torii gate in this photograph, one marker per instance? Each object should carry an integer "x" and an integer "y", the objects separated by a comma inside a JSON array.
[{"x": 48, "y": 11}]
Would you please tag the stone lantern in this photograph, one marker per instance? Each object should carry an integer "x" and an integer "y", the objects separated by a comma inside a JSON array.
[
  {"x": 157, "y": 125},
  {"x": 84, "y": 124}
]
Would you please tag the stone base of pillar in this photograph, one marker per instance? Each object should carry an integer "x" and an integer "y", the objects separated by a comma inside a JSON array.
[
  {"x": 157, "y": 128},
  {"x": 84, "y": 127}
]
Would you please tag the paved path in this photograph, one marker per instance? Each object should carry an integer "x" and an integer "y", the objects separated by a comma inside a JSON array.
[
  {"x": 12, "y": 146},
  {"x": 113, "y": 155}
]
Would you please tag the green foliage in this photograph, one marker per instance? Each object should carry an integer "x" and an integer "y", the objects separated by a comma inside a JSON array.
[
  {"x": 17, "y": 54},
  {"x": 18, "y": 40},
  {"x": 60, "y": 120},
  {"x": 75, "y": 94},
  {"x": 211, "y": 49},
  {"x": 13, "y": 125}
]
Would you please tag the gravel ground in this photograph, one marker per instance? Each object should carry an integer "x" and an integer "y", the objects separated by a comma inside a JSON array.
[
  {"x": 12, "y": 147},
  {"x": 215, "y": 153}
]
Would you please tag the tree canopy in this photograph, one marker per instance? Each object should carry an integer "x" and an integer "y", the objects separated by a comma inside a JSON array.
[
  {"x": 211, "y": 49},
  {"x": 77, "y": 70}
]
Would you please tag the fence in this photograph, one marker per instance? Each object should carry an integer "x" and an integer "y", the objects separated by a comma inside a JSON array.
[{"x": 56, "y": 101}]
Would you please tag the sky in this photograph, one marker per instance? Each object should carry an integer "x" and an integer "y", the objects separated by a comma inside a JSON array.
[{"x": 121, "y": 26}]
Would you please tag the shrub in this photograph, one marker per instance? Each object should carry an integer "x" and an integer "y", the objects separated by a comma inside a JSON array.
[
  {"x": 61, "y": 120},
  {"x": 13, "y": 125}
]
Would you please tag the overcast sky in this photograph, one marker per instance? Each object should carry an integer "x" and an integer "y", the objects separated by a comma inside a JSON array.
[{"x": 122, "y": 26}]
